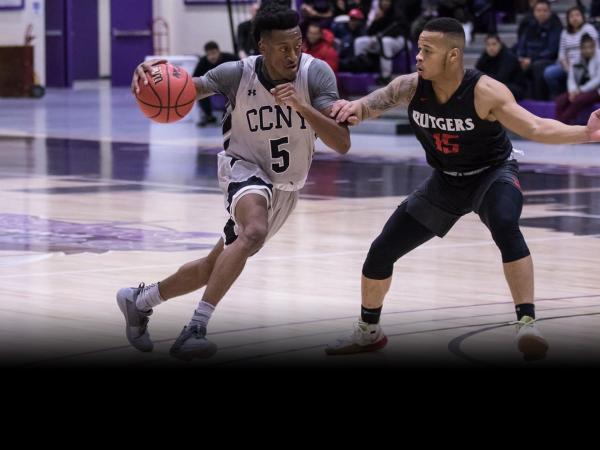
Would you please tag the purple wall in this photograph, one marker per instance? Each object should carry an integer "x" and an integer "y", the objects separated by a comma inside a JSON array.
[
  {"x": 71, "y": 41},
  {"x": 84, "y": 33},
  {"x": 58, "y": 73},
  {"x": 131, "y": 37}
]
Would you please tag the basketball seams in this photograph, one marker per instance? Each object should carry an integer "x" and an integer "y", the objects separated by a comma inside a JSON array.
[
  {"x": 156, "y": 112},
  {"x": 168, "y": 90},
  {"x": 166, "y": 107},
  {"x": 177, "y": 105}
]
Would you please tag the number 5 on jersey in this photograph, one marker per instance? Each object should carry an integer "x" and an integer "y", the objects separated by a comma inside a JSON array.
[{"x": 280, "y": 154}]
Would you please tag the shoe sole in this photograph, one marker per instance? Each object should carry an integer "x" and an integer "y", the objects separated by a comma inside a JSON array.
[
  {"x": 353, "y": 349},
  {"x": 122, "y": 304},
  {"x": 204, "y": 353},
  {"x": 533, "y": 348}
]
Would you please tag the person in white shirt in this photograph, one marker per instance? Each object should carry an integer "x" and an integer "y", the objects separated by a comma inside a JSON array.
[
  {"x": 583, "y": 83},
  {"x": 568, "y": 53}
]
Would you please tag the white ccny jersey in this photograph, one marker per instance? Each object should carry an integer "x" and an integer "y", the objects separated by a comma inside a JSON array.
[{"x": 277, "y": 139}]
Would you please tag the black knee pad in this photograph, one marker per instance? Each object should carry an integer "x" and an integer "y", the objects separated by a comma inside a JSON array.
[
  {"x": 510, "y": 241},
  {"x": 401, "y": 234},
  {"x": 500, "y": 211},
  {"x": 379, "y": 264}
]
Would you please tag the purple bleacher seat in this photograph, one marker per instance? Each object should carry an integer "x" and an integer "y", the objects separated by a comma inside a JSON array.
[
  {"x": 547, "y": 109},
  {"x": 540, "y": 108},
  {"x": 355, "y": 83}
]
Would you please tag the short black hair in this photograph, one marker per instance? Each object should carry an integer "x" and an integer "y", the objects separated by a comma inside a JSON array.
[
  {"x": 447, "y": 25},
  {"x": 211, "y": 45},
  {"x": 273, "y": 16},
  {"x": 585, "y": 39},
  {"x": 546, "y": 2}
]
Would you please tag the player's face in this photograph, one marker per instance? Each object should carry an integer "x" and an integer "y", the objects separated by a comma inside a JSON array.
[
  {"x": 434, "y": 55},
  {"x": 281, "y": 50}
]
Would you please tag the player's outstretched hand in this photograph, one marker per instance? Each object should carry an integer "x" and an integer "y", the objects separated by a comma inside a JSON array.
[
  {"x": 344, "y": 111},
  {"x": 140, "y": 73},
  {"x": 593, "y": 126}
]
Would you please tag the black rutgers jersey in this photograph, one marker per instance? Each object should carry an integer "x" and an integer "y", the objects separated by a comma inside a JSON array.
[{"x": 452, "y": 134}]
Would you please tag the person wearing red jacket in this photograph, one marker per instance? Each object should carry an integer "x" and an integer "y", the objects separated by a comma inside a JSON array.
[{"x": 319, "y": 43}]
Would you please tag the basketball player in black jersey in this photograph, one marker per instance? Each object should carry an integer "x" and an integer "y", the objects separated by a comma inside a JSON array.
[{"x": 459, "y": 117}]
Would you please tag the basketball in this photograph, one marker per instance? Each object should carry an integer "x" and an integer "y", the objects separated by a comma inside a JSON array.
[{"x": 169, "y": 95}]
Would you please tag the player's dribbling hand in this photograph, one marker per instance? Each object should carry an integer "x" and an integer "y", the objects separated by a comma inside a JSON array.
[
  {"x": 140, "y": 73},
  {"x": 593, "y": 126},
  {"x": 286, "y": 95},
  {"x": 344, "y": 111}
]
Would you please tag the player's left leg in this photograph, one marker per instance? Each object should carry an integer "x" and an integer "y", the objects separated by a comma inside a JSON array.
[
  {"x": 500, "y": 211},
  {"x": 251, "y": 215},
  {"x": 256, "y": 221}
]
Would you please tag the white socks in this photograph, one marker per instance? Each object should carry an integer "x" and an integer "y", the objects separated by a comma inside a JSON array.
[
  {"x": 149, "y": 298},
  {"x": 202, "y": 314}
]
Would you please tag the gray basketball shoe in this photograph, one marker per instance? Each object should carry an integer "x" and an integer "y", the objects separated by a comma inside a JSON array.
[{"x": 136, "y": 321}]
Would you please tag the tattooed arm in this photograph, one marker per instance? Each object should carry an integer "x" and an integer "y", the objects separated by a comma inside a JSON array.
[{"x": 399, "y": 92}]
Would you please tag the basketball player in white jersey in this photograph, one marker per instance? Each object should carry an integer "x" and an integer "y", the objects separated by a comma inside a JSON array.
[{"x": 278, "y": 102}]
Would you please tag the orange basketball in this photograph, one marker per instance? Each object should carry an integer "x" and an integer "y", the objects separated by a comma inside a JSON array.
[{"x": 169, "y": 95}]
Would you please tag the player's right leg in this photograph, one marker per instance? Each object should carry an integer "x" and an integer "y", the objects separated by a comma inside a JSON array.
[
  {"x": 401, "y": 234},
  {"x": 191, "y": 276}
]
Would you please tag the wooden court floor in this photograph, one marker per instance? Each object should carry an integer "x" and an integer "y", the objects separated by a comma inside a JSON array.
[{"x": 76, "y": 229}]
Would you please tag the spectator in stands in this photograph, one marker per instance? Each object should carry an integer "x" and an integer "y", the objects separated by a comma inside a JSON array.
[
  {"x": 319, "y": 43},
  {"x": 569, "y": 50},
  {"x": 385, "y": 37},
  {"x": 538, "y": 47},
  {"x": 343, "y": 7},
  {"x": 212, "y": 58},
  {"x": 583, "y": 83},
  {"x": 320, "y": 11},
  {"x": 347, "y": 32},
  {"x": 529, "y": 18},
  {"x": 501, "y": 64},
  {"x": 245, "y": 39}
]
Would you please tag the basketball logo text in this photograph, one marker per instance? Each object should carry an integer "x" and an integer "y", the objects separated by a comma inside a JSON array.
[{"x": 156, "y": 75}]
